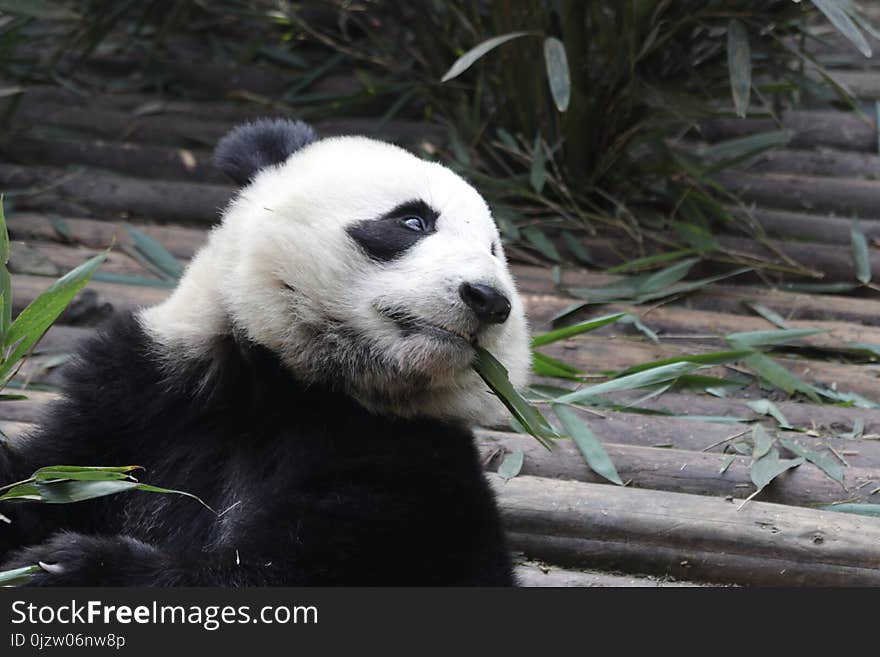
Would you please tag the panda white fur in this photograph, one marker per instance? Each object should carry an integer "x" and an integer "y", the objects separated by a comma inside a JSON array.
[{"x": 310, "y": 377}]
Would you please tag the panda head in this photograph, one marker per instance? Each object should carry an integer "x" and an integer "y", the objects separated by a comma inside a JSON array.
[{"x": 362, "y": 267}]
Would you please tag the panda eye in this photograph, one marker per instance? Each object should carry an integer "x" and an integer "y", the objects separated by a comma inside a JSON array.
[{"x": 414, "y": 223}]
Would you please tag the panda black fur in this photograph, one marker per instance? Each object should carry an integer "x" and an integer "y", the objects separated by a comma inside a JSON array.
[{"x": 309, "y": 379}]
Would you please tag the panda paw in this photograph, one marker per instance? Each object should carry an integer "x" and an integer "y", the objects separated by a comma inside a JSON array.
[{"x": 71, "y": 559}]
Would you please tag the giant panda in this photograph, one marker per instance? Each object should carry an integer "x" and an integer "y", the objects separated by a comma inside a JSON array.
[{"x": 310, "y": 379}]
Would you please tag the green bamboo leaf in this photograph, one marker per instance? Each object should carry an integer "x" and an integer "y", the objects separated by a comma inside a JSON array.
[
  {"x": 464, "y": 62},
  {"x": 689, "y": 286},
  {"x": 829, "y": 466},
  {"x": 726, "y": 463},
  {"x": 770, "y": 315},
  {"x": 62, "y": 228},
  {"x": 132, "y": 279},
  {"x": 648, "y": 261},
  {"x": 588, "y": 444},
  {"x": 38, "y": 9},
  {"x": 701, "y": 239},
  {"x": 769, "y": 466},
  {"x": 557, "y": 72},
  {"x": 776, "y": 375},
  {"x": 170, "y": 491},
  {"x": 643, "y": 379},
  {"x": 5, "y": 278},
  {"x": 538, "y": 170},
  {"x": 511, "y": 465},
  {"x": 734, "y": 150},
  {"x": 665, "y": 277},
  {"x": 24, "y": 491},
  {"x": 68, "y": 492},
  {"x": 862, "y": 509},
  {"x": 577, "y": 248},
  {"x": 761, "y": 442},
  {"x": 508, "y": 140},
  {"x": 857, "y": 430},
  {"x": 157, "y": 254},
  {"x": 495, "y": 376},
  {"x": 846, "y": 398},
  {"x": 739, "y": 64},
  {"x": 39, "y": 315},
  {"x": 640, "y": 327},
  {"x": 861, "y": 256},
  {"x": 536, "y": 237},
  {"x": 644, "y": 286},
  {"x": 80, "y": 473},
  {"x": 767, "y": 407},
  {"x": 575, "y": 329},
  {"x": 842, "y": 21},
  {"x": 714, "y": 358},
  {"x": 17, "y": 576},
  {"x": 543, "y": 365},
  {"x": 751, "y": 339}
]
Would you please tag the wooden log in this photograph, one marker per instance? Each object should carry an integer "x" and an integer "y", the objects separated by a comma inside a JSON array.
[
  {"x": 619, "y": 427},
  {"x": 806, "y": 227},
  {"x": 541, "y": 575},
  {"x": 145, "y": 104},
  {"x": 824, "y": 418},
  {"x": 115, "y": 298},
  {"x": 680, "y": 433},
  {"x": 833, "y": 261},
  {"x": 183, "y": 243},
  {"x": 98, "y": 235},
  {"x": 118, "y": 196},
  {"x": 696, "y": 473},
  {"x": 198, "y": 131},
  {"x": 718, "y": 297},
  {"x": 686, "y": 563},
  {"x": 603, "y": 355},
  {"x": 180, "y": 164},
  {"x": 595, "y": 354},
  {"x": 812, "y": 193},
  {"x": 600, "y": 354},
  {"x": 861, "y": 84},
  {"x": 818, "y": 162},
  {"x": 683, "y": 322},
  {"x": 672, "y": 320},
  {"x": 121, "y": 126},
  {"x": 811, "y": 128},
  {"x": 656, "y": 531},
  {"x": 63, "y": 258}
]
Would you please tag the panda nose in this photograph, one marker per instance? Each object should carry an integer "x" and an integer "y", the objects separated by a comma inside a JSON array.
[{"x": 488, "y": 304}]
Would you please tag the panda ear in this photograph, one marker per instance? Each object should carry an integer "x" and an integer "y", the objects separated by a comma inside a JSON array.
[{"x": 254, "y": 146}]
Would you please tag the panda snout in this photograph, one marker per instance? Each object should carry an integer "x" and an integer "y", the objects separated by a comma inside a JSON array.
[{"x": 488, "y": 304}]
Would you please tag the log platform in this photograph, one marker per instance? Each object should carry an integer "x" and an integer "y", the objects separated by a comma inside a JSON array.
[{"x": 79, "y": 168}]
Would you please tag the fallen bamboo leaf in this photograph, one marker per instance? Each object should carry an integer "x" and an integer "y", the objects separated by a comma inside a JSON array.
[
  {"x": 511, "y": 465},
  {"x": 830, "y": 467},
  {"x": 767, "y": 407},
  {"x": 588, "y": 444}
]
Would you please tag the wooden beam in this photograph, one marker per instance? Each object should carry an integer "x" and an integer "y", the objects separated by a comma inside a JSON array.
[
  {"x": 682, "y": 471},
  {"x": 703, "y": 538}
]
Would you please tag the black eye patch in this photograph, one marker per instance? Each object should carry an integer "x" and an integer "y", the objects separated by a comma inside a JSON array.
[{"x": 391, "y": 235}]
